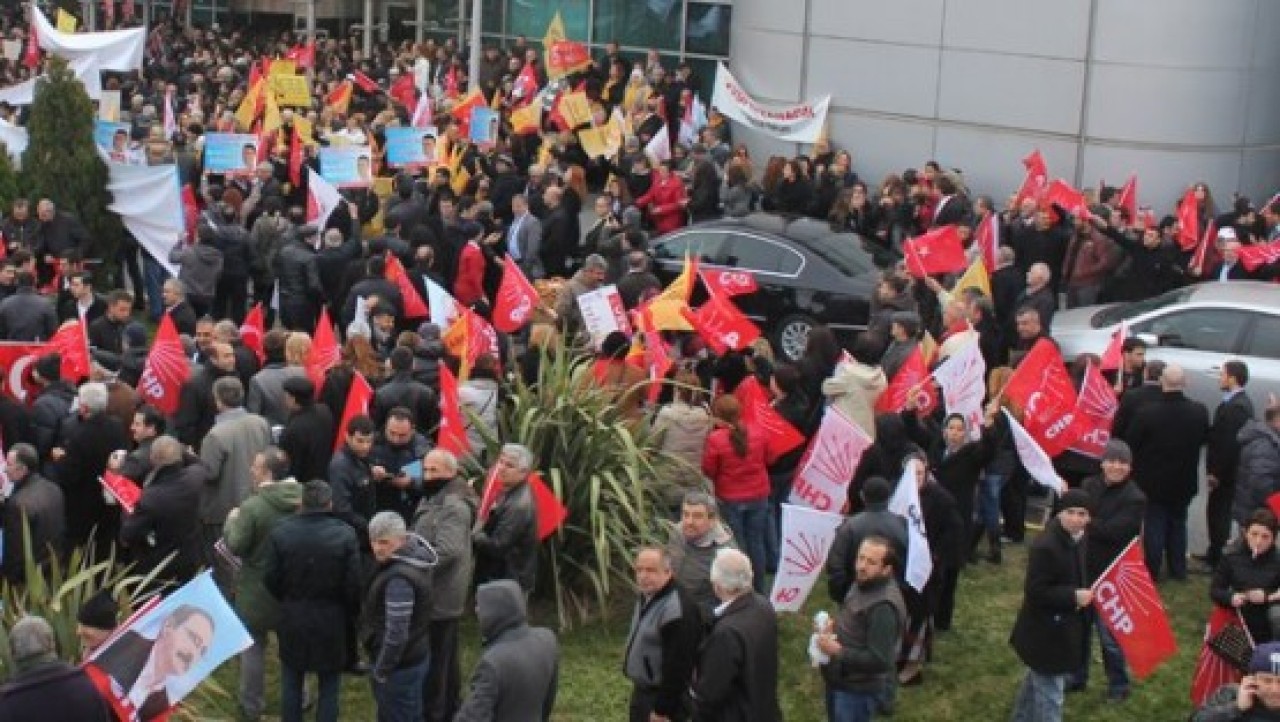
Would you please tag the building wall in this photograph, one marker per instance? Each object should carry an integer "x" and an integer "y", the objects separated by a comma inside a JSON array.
[{"x": 1174, "y": 90}]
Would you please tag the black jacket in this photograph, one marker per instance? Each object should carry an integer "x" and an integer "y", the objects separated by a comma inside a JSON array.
[
  {"x": 297, "y": 275},
  {"x": 89, "y": 442},
  {"x": 27, "y": 316},
  {"x": 184, "y": 317},
  {"x": 196, "y": 407},
  {"x": 313, "y": 570},
  {"x": 662, "y": 646},
  {"x": 403, "y": 390},
  {"x": 56, "y": 685},
  {"x": 874, "y": 521},
  {"x": 1223, "y": 452},
  {"x": 1114, "y": 521},
  {"x": 167, "y": 521},
  {"x": 1166, "y": 437},
  {"x": 354, "y": 498},
  {"x": 1048, "y": 635},
  {"x": 40, "y": 503},
  {"x": 308, "y": 440},
  {"x": 1131, "y": 402},
  {"x": 737, "y": 671},
  {"x": 61, "y": 235},
  {"x": 237, "y": 250},
  {"x": 507, "y": 545},
  {"x": 49, "y": 414},
  {"x": 107, "y": 335},
  {"x": 1240, "y": 571}
]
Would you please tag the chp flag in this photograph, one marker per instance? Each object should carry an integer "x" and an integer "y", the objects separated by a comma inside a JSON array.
[
  {"x": 828, "y": 466},
  {"x": 1096, "y": 408},
  {"x": 963, "y": 380},
  {"x": 807, "y": 535},
  {"x": 1127, "y": 601},
  {"x": 1044, "y": 391},
  {"x": 1033, "y": 458},
  {"x": 905, "y": 502},
  {"x": 166, "y": 370}
]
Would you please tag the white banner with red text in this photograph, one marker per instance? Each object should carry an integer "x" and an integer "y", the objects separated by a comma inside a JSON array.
[{"x": 800, "y": 123}]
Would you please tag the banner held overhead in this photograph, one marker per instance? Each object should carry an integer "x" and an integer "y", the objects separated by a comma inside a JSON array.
[{"x": 800, "y": 123}]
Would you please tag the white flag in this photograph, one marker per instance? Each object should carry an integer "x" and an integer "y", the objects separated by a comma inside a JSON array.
[
  {"x": 322, "y": 199},
  {"x": 422, "y": 113},
  {"x": 1036, "y": 461},
  {"x": 806, "y": 539},
  {"x": 659, "y": 148},
  {"x": 443, "y": 307},
  {"x": 906, "y": 504},
  {"x": 827, "y": 468},
  {"x": 963, "y": 380},
  {"x": 170, "y": 118}
]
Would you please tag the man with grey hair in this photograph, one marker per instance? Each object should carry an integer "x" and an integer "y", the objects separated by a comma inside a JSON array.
[
  {"x": 36, "y": 502},
  {"x": 444, "y": 518},
  {"x": 737, "y": 670},
  {"x": 89, "y": 438},
  {"x": 395, "y": 624},
  {"x": 174, "y": 293},
  {"x": 524, "y": 238},
  {"x": 639, "y": 282},
  {"x": 506, "y": 540},
  {"x": 1166, "y": 435},
  {"x": 227, "y": 453},
  {"x": 165, "y": 520},
  {"x": 694, "y": 543},
  {"x": 588, "y": 278},
  {"x": 41, "y": 683},
  {"x": 666, "y": 628}
]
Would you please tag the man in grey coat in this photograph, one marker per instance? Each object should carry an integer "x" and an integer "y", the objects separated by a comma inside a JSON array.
[
  {"x": 524, "y": 239},
  {"x": 227, "y": 453},
  {"x": 444, "y": 518},
  {"x": 519, "y": 668}
]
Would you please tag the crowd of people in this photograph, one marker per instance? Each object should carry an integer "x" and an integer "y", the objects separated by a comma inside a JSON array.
[{"x": 362, "y": 559}]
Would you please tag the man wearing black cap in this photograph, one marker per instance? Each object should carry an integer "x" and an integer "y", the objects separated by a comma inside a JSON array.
[
  {"x": 308, "y": 435},
  {"x": 1048, "y": 635},
  {"x": 1118, "y": 509},
  {"x": 1257, "y": 697},
  {"x": 96, "y": 620}
]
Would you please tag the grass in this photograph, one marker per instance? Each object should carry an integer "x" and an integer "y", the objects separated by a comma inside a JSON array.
[{"x": 973, "y": 675}]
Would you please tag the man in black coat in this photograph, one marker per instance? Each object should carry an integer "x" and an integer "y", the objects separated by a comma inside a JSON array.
[
  {"x": 1048, "y": 635},
  {"x": 27, "y": 315},
  {"x": 1119, "y": 507},
  {"x": 1166, "y": 436},
  {"x": 88, "y": 441},
  {"x": 736, "y": 677},
  {"x": 1136, "y": 398},
  {"x": 166, "y": 519},
  {"x": 559, "y": 242},
  {"x": 1223, "y": 455},
  {"x": 874, "y": 520},
  {"x": 42, "y": 684},
  {"x": 36, "y": 502},
  {"x": 307, "y": 438},
  {"x": 196, "y": 408},
  {"x": 506, "y": 542},
  {"x": 106, "y": 333},
  {"x": 403, "y": 390},
  {"x": 351, "y": 476},
  {"x": 313, "y": 570},
  {"x": 663, "y": 643}
]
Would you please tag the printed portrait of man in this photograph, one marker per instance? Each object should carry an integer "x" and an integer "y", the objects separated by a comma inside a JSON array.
[{"x": 146, "y": 674}]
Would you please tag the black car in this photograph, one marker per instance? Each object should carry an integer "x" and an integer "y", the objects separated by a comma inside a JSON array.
[{"x": 807, "y": 272}]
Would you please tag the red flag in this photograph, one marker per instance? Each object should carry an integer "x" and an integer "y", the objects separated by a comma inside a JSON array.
[
  {"x": 252, "y": 331},
  {"x": 303, "y": 56},
  {"x": 452, "y": 435},
  {"x": 526, "y": 85},
  {"x": 567, "y": 56},
  {"x": 551, "y": 512},
  {"x": 1113, "y": 355},
  {"x": 190, "y": 211},
  {"x": 780, "y": 436},
  {"x": 913, "y": 374},
  {"x": 936, "y": 252},
  {"x": 16, "y": 360},
  {"x": 451, "y": 82},
  {"x": 1259, "y": 254},
  {"x": 1188, "y": 220},
  {"x": 324, "y": 353},
  {"x": 364, "y": 82},
  {"x": 1128, "y": 201},
  {"x": 295, "y": 158},
  {"x": 462, "y": 112},
  {"x": 1212, "y": 671},
  {"x": 124, "y": 489},
  {"x": 722, "y": 325},
  {"x": 166, "y": 370},
  {"x": 516, "y": 299},
  {"x": 414, "y": 306},
  {"x": 31, "y": 58},
  {"x": 70, "y": 341},
  {"x": 1062, "y": 194},
  {"x": 358, "y": 398},
  {"x": 987, "y": 238},
  {"x": 1041, "y": 387},
  {"x": 1037, "y": 175},
  {"x": 728, "y": 282},
  {"x": 339, "y": 98},
  {"x": 1127, "y": 602},
  {"x": 1096, "y": 408},
  {"x": 404, "y": 92}
]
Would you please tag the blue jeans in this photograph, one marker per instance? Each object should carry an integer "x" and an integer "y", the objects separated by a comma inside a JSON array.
[
  {"x": 154, "y": 276},
  {"x": 749, "y": 522},
  {"x": 1112, "y": 657},
  {"x": 400, "y": 697},
  {"x": 1040, "y": 698},
  {"x": 1165, "y": 536},
  {"x": 846, "y": 706},
  {"x": 989, "y": 502},
  {"x": 291, "y": 695}
]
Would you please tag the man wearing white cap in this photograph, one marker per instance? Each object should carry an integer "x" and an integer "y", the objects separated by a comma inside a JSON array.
[{"x": 1230, "y": 268}]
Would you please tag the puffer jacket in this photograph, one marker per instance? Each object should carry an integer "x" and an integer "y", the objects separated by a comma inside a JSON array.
[
  {"x": 1258, "y": 475},
  {"x": 736, "y": 477},
  {"x": 684, "y": 430},
  {"x": 854, "y": 389}
]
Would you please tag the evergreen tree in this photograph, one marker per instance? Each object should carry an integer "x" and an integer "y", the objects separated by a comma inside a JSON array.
[
  {"x": 62, "y": 163},
  {"x": 8, "y": 179}
]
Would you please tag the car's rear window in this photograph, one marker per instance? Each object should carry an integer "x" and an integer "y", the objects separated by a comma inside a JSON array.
[{"x": 1124, "y": 311}]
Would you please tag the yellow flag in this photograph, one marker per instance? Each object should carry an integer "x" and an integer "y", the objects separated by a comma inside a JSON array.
[
  {"x": 575, "y": 108},
  {"x": 975, "y": 277},
  {"x": 527, "y": 120},
  {"x": 459, "y": 180},
  {"x": 665, "y": 309},
  {"x": 555, "y": 32},
  {"x": 66, "y": 21},
  {"x": 270, "y": 113},
  {"x": 283, "y": 67},
  {"x": 248, "y": 110}
]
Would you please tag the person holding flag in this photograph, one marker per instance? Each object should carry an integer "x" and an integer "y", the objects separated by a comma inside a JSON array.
[
  {"x": 1118, "y": 509},
  {"x": 1248, "y": 577},
  {"x": 506, "y": 535}
]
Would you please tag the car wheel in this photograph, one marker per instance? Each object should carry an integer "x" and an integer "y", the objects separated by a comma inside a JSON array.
[{"x": 791, "y": 335}]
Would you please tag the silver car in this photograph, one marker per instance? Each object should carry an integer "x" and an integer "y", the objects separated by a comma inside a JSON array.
[{"x": 1197, "y": 327}]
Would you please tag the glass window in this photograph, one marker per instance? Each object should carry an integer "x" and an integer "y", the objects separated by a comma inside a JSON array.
[
  {"x": 1202, "y": 329},
  {"x": 1120, "y": 312},
  {"x": 531, "y": 19},
  {"x": 1265, "y": 340},
  {"x": 707, "y": 31},
  {"x": 765, "y": 256},
  {"x": 709, "y": 245},
  {"x": 491, "y": 16},
  {"x": 638, "y": 23}
]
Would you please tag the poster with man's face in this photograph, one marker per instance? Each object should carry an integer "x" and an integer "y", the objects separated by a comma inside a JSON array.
[
  {"x": 411, "y": 147},
  {"x": 113, "y": 138},
  {"x": 347, "y": 167},
  {"x": 484, "y": 126},
  {"x": 234, "y": 154}
]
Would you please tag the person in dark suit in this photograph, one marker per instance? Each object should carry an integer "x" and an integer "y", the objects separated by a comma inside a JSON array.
[
  {"x": 106, "y": 333},
  {"x": 524, "y": 239},
  {"x": 36, "y": 502},
  {"x": 165, "y": 521},
  {"x": 1134, "y": 399},
  {"x": 175, "y": 303},
  {"x": 1229, "y": 268},
  {"x": 83, "y": 304},
  {"x": 559, "y": 242},
  {"x": 308, "y": 435},
  {"x": 1048, "y": 635},
  {"x": 953, "y": 207},
  {"x": 1223, "y": 455},
  {"x": 142, "y": 670}
]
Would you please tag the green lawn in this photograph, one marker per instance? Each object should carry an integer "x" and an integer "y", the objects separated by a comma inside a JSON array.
[{"x": 973, "y": 676}]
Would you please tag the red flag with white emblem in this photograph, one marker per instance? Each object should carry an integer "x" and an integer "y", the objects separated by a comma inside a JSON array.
[
  {"x": 1041, "y": 387},
  {"x": 358, "y": 398},
  {"x": 517, "y": 298},
  {"x": 1127, "y": 601},
  {"x": 936, "y": 252},
  {"x": 728, "y": 282},
  {"x": 1096, "y": 408},
  {"x": 910, "y": 381},
  {"x": 780, "y": 435},
  {"x": 452, "y": 436},
  {"x": 166, "y": 370}
]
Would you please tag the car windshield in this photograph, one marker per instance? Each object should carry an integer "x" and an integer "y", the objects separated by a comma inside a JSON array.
[
  {"x": 850, "y": 253},
  {"x": 1125, "y": 311}
]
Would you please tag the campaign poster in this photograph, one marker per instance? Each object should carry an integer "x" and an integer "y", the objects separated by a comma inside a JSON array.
[
  {"x": 109, "y": 106},
  {"x": 154, "y": 661},
  {"x": 230, "y": 153},
  {"x": 484, "y": 126},
  {"x": 603, "y": 313},
  {"x": 411, "y": 147},
  {"x": 114, "y": 139},
  {"x": 347, "y": 167}
]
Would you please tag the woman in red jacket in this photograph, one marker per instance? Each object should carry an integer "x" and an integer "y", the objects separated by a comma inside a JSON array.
[
  {"x": 734, "y": 460},
  {"x": 666, "y": 199}
]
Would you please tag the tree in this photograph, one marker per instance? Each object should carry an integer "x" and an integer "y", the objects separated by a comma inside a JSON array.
[
  {"x": 8, "y": 179},
  {"x": 62, "y": 163}
]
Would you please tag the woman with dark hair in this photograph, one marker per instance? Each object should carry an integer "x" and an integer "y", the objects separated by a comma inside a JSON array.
[
  {"x": 734, "y": 461},
  {"x": 821, "y": 354},
  {"x": 1248, "y": 578},
  {"x": 854, "y": 212},
  {"x": 884, "y": 456},
  {"x": 736, "y": 194},
  {"x": 793, "y": 193}
]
